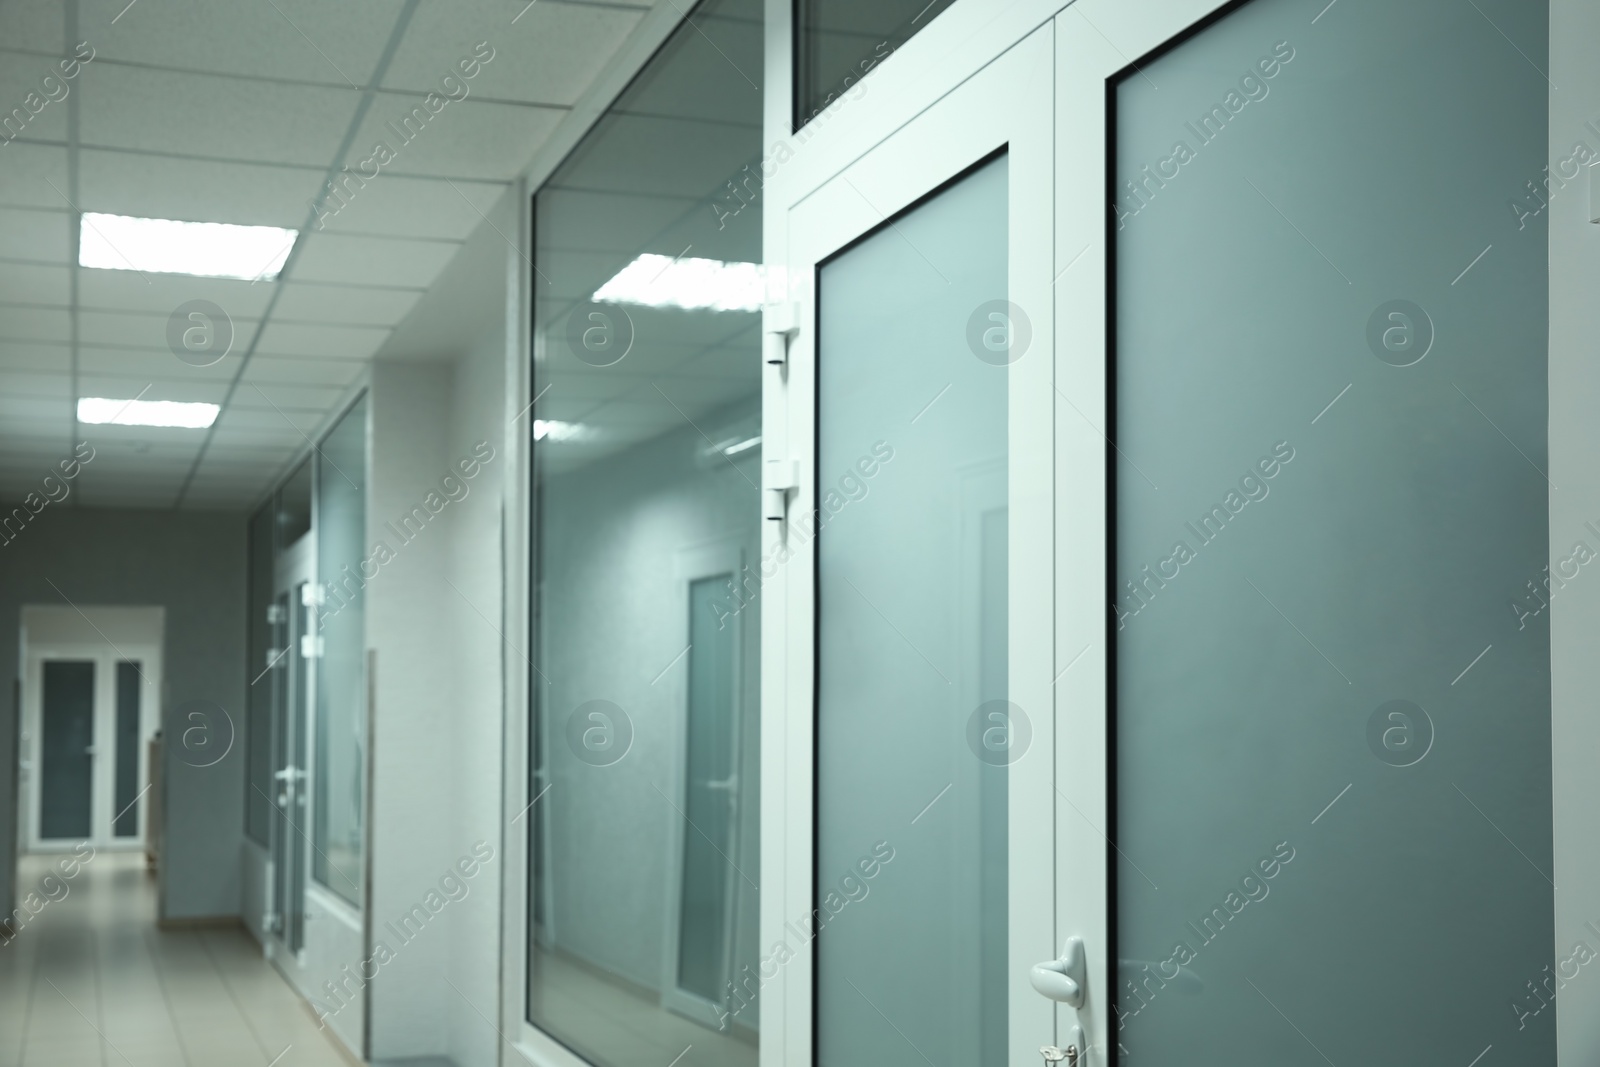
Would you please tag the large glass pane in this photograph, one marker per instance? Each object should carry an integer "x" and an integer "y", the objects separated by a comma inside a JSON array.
[
  {"x": 837, "y": 42},
  {"x": 125, "y": 792},
  {"x": 258, "y": 729},
  {"x": 341, "y": 709},
  {"x": 914, "y": 734},
  {"x": 647, "y": 462},
  {"x": 1332, "y": 737},
  {"x": 66, "y": 765}
]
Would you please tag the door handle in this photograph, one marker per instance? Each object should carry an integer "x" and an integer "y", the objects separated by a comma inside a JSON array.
[{"x": 1062, "y": 980}]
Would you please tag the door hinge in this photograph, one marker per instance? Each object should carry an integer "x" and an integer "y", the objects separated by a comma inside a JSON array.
[
  {"x": 312, "y": 595},
  {"x": 778, "y": 477},
  {"x": 276, "y": 613},
  {"x": 310, "y": 646},
  {"x": 780, "y": 322}
]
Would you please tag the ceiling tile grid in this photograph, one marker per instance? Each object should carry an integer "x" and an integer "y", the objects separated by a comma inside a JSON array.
[{"x": 242, "y": 113}]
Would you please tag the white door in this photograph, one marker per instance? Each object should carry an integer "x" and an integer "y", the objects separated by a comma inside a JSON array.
[
  {"x": 909, "y": 699},
  {"x": 1304, "y": 760},
  {"x": 292, "y": 693},
  {"x": 89, "y": 713}
]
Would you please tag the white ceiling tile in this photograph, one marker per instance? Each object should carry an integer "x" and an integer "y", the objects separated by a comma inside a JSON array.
[
  {"x": 395, "y": 205},
  {"x": 35, "y": 25},
  {"x": 35, "y": 324},
  {"x": 202, "y": 114},
  {"x": 162, "y": 294},
  {"x": 162, "y": 187},
  {"x": 342, "y": 342},
  {"x": 29, "y": 409},
  {"x": 29, "y": 173},
  {"x": 549, "y": 56},
  {"x": 23, "y": 383},
  {"x": 40, "y": 236},
  {"x": 301, "y": 40},
  {"x": 371, "y": 260},
  {"x": 119, "y": 386},
  {"x": 361, "y": 305},
  {"x": 279, "y": 399},
  {"x": 149, "y": 366},
  {"x": 23, "y": 356},
  {"x": 126, "y": 329},
  {"x": 468, "y": 139},
  {"x": 29, "y": 283},
  {"x": 284, "y": 424},
  {"x": 267, "y": 368},
  {"x": 29, "y": 110}
]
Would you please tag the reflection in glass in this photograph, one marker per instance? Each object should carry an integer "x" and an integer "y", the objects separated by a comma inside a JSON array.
[
  {"x": 838, "y": 41},
  {"x": 711, "y": 790},
  {"x": 294, "y": 505},
  {"x": 914, "y": 734},
  {"x": 341, "y": 667},
  {"x": 258, "y": 730},
  {"x": 647, "y": 456},
  {"x": 1327, "y": 802}
]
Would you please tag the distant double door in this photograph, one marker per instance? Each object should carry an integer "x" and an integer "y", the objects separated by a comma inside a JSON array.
[{"x": 89, "y": 714}]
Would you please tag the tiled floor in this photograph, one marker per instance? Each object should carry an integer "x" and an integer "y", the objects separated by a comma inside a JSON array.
[
  {"x": 90, "y": 980},
  {"x": 617, "y": 1026}
]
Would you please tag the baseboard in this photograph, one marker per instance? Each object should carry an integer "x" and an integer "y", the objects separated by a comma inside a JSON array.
[
  {"x": 423, "y": 1061},
  {"x": 202, "y": 922}
]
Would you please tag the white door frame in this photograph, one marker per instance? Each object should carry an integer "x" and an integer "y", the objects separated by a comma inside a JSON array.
[
  {"x": 105, "y": 658},
  {"x": 1005, "y": 106}
]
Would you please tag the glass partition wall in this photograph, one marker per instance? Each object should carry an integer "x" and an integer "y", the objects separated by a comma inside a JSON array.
[
  {"x": 341, "y": 665},
  {"x": 647, "y": 450}
]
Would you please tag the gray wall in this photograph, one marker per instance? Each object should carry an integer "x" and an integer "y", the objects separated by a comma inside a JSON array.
[{"x": 192, "y": 564}]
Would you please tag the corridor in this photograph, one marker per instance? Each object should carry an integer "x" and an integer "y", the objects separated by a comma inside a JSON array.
[{"x": 92, "y": 982}]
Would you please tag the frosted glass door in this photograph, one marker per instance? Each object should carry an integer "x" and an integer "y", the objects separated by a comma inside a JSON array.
[
  {"x": 1331, "y": 759},
  {"x": 912, "y": 641}
]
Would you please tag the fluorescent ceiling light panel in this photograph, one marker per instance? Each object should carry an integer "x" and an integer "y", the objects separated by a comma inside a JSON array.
[
  {"x": 101, "y": 410},
  {"x": 694, "y": 284},
  {"x": 555, "y": 430},
  {"x": 166, "y": 246}
]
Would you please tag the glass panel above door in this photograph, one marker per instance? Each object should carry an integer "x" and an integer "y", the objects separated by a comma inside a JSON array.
[
  {"x": 837, "y": 42},
  {"x": 1332, "y": 738}
]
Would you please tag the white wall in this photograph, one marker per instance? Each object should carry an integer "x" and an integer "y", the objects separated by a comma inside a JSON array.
[{"x": 434, "y": 618}]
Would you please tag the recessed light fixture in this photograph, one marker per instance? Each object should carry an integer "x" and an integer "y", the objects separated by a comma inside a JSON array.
[
  {"x": 191, "y": 416},
  {"x": 555, "y": 430},
  {"x": 693, "y": 284},
  {"x": 167, "y": 246}
]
